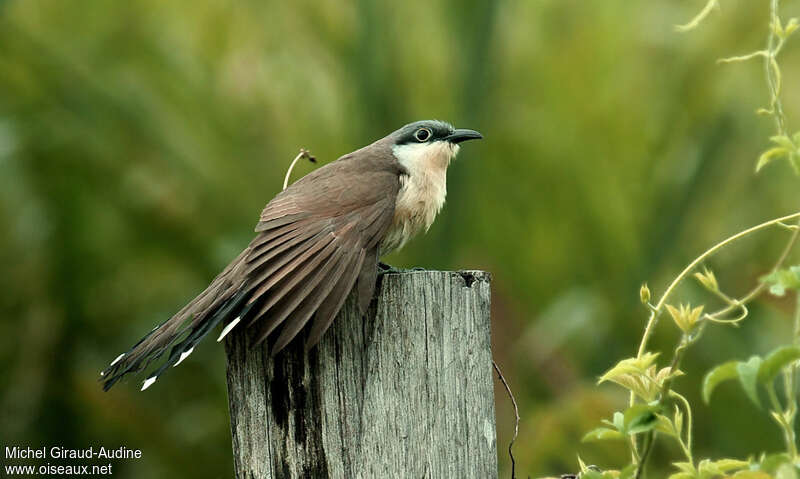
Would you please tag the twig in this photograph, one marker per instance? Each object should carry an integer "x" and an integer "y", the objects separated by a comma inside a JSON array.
[
  {"x": 693, "y": 23},
  {"x": 761, "y": 285},
  {"x": 659, "y": 307},
  {"x": 303, "y": 154},
  {"x": 771, "y": 69},
  {"x": 516, "y": 420}
]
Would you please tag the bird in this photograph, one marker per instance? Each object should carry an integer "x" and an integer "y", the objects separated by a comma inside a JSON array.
[{"x": 316, "y": 241}]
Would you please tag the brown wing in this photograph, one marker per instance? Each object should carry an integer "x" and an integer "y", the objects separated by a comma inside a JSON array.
[{"x": 316, "y": 239}]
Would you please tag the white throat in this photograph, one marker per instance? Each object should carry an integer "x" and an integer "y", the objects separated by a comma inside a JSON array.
[{"x": 422, "y": 190}]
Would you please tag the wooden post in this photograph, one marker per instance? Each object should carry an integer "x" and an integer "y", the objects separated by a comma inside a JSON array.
[{"x": 404, "y": 392}]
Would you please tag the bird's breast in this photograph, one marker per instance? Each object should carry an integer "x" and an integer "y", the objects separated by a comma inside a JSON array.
[{"x": 419, "y": 200}]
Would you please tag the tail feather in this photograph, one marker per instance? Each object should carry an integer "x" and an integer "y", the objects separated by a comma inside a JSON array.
[
  {"x": 222, "y": 300},
  {"x": 200, "y": 331}
]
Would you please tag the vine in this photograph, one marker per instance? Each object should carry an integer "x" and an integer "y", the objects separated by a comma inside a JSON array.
[{"x": 655, "y": 410}]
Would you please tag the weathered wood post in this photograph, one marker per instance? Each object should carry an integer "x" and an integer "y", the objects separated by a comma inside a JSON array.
[{"x": 405, "y": 392}]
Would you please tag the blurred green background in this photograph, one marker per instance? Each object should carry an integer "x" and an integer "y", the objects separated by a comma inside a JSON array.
[{"x": 139, "y": 141}]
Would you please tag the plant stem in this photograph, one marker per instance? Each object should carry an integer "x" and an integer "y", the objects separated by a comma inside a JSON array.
[
  {"x": 771, "y": 69},
  {"x": 780, "y": 416},
  {"x": 654, "y": 314},
  {"x": 648, "y": 446},
  {"x": 686, "y": 446},
  {"x": 790, "y": 385},
  {"x": 761, "y": 286},
  {"x": 786, "y": 420},
  {"x": 650, "y": 438},
  {"x": 658, "y": 308},
  {"x": 660, "y": 305}
]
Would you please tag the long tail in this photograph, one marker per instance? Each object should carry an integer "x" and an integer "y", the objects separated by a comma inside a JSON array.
[{"x": 224, "y": 301}]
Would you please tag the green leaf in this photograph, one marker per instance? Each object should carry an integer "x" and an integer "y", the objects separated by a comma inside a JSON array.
[
  {"x": 629, "y": 366},
  {"x": 619, "y": 421},
  {"x": 581, "y": 464},
  {"x": 591, "y": 474},
  {"x": 794, "y": 160},
  {"x": 781, "y": 280},
  {"x": 771, "y": 463},
  {"x": 706, "y": 468},
  {"x": 602, "y": 434},
  {"x": 751, "y": 475},
  {"x": 783, "y": 141},
  {"x": 640, "y": 418},
  {"x": 790, "y": 28},
  {"x": 770, "y": 155},
  {"x": 665, "y": 426},
  {"x": 596, "y": 475},
  {"x": 678, "y": 421},
  {"x": 684, "y": 316},
  {"x": 686, "y": 467},
  {"x": 627, "y": 472},
  {"x": 721, "y": 467},
  {"x": 721, "y": 373},
  {"x": 728, "y": 465},
  {"x": 775, "y": 361},
  {"x": 786, "y": 471},
  {"x": 748, "y": 376}
]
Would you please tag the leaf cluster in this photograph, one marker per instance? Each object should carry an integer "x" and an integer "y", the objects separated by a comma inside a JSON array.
[
  {"x": 783, "y": 279},
  {"x": 754, "y": 372},
  {"x": 785, "y": 148}
]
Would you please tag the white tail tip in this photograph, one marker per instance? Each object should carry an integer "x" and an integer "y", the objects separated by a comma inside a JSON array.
[
  {"x": 117, "y": 360},
  {"x": 228, "y": 328},
  {"x": 148, "y": 382},
  {"x": 184, "y": 355}
]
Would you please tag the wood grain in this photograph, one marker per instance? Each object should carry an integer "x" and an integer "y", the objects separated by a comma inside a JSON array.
[{"x": 404, "y": 392}]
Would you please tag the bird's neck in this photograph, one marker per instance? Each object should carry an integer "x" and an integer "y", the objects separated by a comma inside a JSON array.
[{"x": 422, "y": 190}]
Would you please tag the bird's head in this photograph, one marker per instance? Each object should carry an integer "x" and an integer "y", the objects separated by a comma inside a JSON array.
[{"x": 429, "y": 143}]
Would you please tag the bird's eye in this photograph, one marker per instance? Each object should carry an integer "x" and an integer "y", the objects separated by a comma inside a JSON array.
[{"x": 422, "y": 135}]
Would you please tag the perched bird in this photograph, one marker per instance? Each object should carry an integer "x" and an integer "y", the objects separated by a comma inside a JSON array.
[{"x": 316, "y": 241}]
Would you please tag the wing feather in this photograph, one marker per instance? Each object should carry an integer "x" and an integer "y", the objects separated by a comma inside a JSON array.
[
  {"x": 267, "y": 239},
  {"x": 367, "y": 277},
  {"x": 274, "y": 261},
  {"x": 303, "y": 304},
  {"x": 316, "y": 239},
  {"x": 294, "y": 272},
  {"x": 330, "y": 307}
]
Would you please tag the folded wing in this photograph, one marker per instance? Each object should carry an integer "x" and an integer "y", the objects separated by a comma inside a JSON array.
[{"x": 316, "y": 241}]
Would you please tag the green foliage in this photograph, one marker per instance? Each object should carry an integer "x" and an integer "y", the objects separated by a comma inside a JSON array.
[
  {"x": 783, "y": 279},
  {"x": 651, "y": 391},
  {"x": 751, "y": 373},
  {"x": 708, "y": 469},
  {"x": 707, "y": 279},
  {"x": 640, "y": 418},
  {"x": 640, "y": 375},
  {"x": 626, "y": 473},
  {"x": 748, "y": 376},
  {"x": 776, "y": 361},
  {"x": 685, "y": 317},
  {"x": 603, "y": 434},
  {"x": 719, "y": 374},
  {"x": 634, "y": 420},
  {"x": 788, "y": 149},
  {"x": 593, "y": 472}
]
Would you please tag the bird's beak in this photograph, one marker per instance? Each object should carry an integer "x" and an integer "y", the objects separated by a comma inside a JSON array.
[{"x": 462, "y": 134}]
